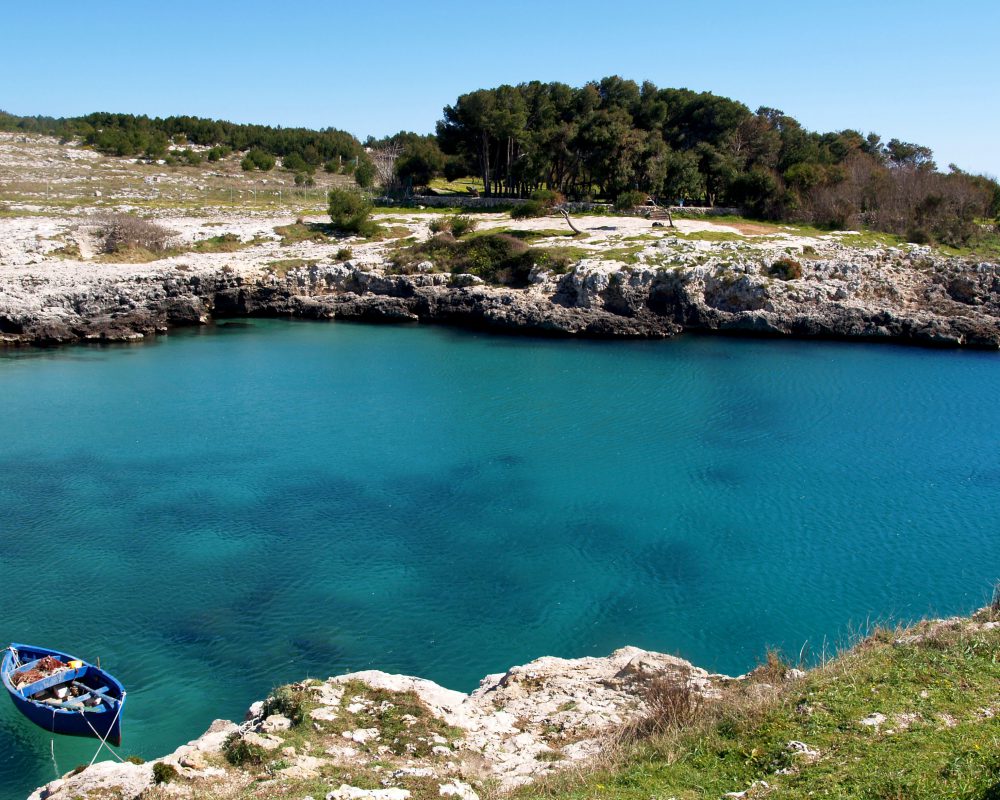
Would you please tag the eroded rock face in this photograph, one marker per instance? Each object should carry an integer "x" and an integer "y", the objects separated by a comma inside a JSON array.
[
  {"x": 912, "y": 296},
  {"x": 517, "y": 726}
]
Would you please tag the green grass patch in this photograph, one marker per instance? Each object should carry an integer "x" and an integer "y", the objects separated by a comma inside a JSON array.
[
  {"x": 545, "y": 233},
  {"x": 283, "y": 266},
  {"x": 987, "y": 247},
  {"x": 298, "y": 232},
  {"x": 497, "y": 258},
  {"x": 940, "y": 737},
  {"x": 460, "y": 186},
  {"x": 415, "y": 210},
  {"x": 224, "y": 243},
  {"x": 870, "y": 240},
  {"x": 711, "y": 236}
]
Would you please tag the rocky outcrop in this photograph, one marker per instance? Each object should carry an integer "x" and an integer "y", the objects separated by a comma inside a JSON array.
[
  {"x": 913, "y": 296},
  {"x": 401, "y": 733}
]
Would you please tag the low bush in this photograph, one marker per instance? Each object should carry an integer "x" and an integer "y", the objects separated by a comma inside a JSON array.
[
  {"x": 786, "y": 269},
  {"x": 548, "y": 197},
  {"x": 126, "y": 232},
  {"x": 364, "y": 173},
  {"x": 304, "y": 179},
  {"x": 351, "y": 213},
  {"x": 494, "y": 257},
  {"x": 457, "y": 226},
  {"x": 238, "y": 751},
  {"x": 218, "y": 152},
  {"x": 294, "y": 162},
  {"x": 529, "y": 210},
  {"x": 164, "y": 773},
  {"x": 258, "y": 159},
  {"x": 461, "y": 225},
  {"x": 626, "y": 201},
  {"x": 290, "y": 701},
  {"x": 345, "y": 254}
]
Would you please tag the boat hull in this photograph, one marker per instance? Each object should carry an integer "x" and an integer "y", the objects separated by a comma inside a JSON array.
[{"x": 103, "y": 722}]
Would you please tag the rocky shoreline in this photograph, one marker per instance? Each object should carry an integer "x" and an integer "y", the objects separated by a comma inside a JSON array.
[
  {"x": 566, "y": 722},
  {"x": 913, "y": 297},
  {"x": 400, "y": 737}
]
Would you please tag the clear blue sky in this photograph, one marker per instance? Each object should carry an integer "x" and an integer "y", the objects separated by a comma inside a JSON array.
[{"x": 923, "y": 72}]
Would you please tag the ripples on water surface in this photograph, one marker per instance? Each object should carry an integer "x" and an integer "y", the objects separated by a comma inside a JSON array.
[{"x": 216, "y": 514}]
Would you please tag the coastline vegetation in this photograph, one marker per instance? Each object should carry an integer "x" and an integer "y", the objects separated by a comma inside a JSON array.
[
  {"x": 906, "y": 713},
  {"x": 612, "y": 140}
]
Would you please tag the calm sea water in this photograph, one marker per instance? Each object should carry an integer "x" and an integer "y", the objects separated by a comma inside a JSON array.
[{"x": 217, "y": 513}]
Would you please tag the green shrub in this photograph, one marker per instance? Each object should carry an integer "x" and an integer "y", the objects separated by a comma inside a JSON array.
[
  {"x": 786, "y": 269},
  {"x": 218, "y": 152},
  {"x": 304, "y": 179},
  {"x": 345, "y": 254},
  {"x": 350, "y": 213},
  {"x": 332, "y": 166},
  {"x": 164, "y": 773},
  {"x": 135, "y": 760},
  {"x": 494, "y": 257},
  {"x": 290, "y": 701},
  {"x": 461, "y": 225},
  {"x": 364, "y": 173},
  {"x": 533, "y": 208},
  {"x": 238, "y": 751},
  {"x": 548, "y": 197},
  {"x": 294, "y": 162},
  {"x": 258, "y": 159},
  {"x": 626, "y": 201}
]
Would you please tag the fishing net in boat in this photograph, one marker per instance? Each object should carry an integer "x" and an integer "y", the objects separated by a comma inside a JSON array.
[{"x": 45, "y": 667}]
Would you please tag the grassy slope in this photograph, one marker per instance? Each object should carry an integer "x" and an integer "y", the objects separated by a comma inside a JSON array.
[{"x": 940, "y": 696}]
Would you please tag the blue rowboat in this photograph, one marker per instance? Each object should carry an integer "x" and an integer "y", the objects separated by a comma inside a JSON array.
[{"x": 62, "y": 694}]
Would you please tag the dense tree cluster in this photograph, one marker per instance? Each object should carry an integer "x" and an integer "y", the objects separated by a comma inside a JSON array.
[
  {"x": 614, "y": 136},
  {"x": 130, "y": 135}
]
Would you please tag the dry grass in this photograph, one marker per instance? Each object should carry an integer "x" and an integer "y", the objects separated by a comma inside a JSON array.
[{"x": 126, "y": 232}]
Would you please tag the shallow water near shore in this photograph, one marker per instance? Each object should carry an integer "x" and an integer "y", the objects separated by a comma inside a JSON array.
[{"x": 222, "y": 511}]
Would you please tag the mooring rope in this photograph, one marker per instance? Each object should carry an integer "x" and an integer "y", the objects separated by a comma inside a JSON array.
[
  {"x": 55, "y": 764},
  {"x": 103, "y": 744}
]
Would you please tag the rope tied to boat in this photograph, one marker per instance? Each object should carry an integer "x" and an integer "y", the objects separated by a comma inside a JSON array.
[{"x": 104, "y": 739}]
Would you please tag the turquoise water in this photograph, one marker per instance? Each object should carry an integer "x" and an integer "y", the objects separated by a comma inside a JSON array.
[{"x": 221, "y": 512}]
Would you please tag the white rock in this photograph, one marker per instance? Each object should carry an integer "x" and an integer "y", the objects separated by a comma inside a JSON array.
[
  {"x": 413, "y": 772},
  {"x": 275, "y": 723},
  {"x": 262, "y": 740},
  {"x": 324, "y": 714},
  {"x": 361, "y": 735},
  {"x": 458, "y": 789},
  {"x": 345, "y": 792}
]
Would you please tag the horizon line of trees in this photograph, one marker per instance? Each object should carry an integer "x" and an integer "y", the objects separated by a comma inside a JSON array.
[{"x": 130, "y": 135}]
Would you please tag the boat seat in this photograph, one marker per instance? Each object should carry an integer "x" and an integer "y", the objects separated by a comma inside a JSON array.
[{"x": 83, "y": 698}]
